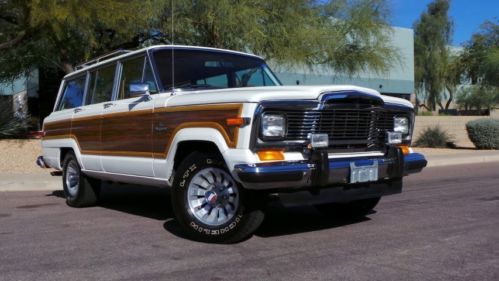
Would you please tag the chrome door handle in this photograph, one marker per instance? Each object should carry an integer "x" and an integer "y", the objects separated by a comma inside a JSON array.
[
  {"x": 109, "y": 104},
  {"x": 76, "y": 110}
]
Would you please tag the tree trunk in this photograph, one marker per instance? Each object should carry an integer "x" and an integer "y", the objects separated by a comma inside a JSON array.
[
  {"x": 451, "y": 97},
  {"x": 441, "y": 105}
]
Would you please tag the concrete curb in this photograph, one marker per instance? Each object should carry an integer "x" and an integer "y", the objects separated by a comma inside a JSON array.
[
  {"x": 29, "y": 182},
  {"x": 460, "y": 160}
]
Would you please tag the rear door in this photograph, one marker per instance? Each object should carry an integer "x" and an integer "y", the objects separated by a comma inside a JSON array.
[
  {"x": 127, "y": 122},
  {"x": 87, "y": 120}
]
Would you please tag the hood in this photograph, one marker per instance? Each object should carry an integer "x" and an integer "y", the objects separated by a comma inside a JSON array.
[{"x": 259, "y": 94}]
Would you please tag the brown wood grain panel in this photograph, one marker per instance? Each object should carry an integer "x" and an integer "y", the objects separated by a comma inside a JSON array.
[
  {"x": 57, "y": 129},
  {"x": 143, "y": 133},
  {"x": 124, "y": 133},
  {"x": 87, "y": 133},
  {"x": 171, "y": 121}
]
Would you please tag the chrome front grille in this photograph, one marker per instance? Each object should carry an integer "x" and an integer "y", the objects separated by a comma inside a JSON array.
[{"x": 358, "y": 129}]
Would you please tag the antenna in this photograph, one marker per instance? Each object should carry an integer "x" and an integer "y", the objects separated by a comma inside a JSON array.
[{"x": 173, "y": 47}]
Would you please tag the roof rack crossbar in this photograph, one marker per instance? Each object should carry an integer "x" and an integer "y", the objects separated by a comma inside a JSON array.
[{"x": 103, "y": 57}]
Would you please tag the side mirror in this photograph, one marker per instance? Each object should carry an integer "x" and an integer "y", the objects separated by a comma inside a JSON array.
[{"x": 139, "y": 90}]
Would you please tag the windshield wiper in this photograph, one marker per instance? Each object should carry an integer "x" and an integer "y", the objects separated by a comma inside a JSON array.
[{"x": 195, "y": 87}]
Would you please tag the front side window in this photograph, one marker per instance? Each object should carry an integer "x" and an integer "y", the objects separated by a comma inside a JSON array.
[
  {"x": 206, "y": 69},
  {"x": 131, "y": 73},
  {"x": 100, "y": 87},
  {"x": 73, "y": 93},
  {"x": 136, "y": 70},
  {"x": 149, "y": 78}
]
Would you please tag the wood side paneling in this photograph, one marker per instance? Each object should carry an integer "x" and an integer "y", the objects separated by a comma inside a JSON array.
[
  {"x": 168, "y": 123},
  {"x": 57, "y": 129},
  {"x": 124, "y": 133},
  {"x": 143, "y": 133},
  {"x": 87, "y": 133}
]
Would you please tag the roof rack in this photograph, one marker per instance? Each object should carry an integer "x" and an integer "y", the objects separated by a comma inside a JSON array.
[{"x": 103, "y": 57}]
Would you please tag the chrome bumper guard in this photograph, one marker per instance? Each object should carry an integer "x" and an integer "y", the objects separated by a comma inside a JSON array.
[{"x": 336, "y": 172}]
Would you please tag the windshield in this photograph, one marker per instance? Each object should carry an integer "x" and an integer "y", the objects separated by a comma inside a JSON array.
[{"x": 206, "y": 69}]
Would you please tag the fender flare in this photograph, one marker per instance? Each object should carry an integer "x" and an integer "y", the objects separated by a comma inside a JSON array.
[
  {"x": 59, "y": 144},
  {"x": 194, "y": 134}
]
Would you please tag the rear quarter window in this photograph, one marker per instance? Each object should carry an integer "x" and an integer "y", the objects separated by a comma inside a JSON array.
[{"x": 73, "y": 93}]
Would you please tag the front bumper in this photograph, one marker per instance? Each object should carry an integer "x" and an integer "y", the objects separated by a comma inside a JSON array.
[{"x": 294, "y": 175}]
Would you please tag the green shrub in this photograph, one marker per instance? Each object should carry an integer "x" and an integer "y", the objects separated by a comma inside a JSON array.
[
  {"x": 10, "y": 126},
  {"x": 484, "y": 133},
  {"x": 434, "y": 137}
]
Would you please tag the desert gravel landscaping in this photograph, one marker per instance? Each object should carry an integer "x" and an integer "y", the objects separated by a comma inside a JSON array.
[{"x": 19, "y": 156}]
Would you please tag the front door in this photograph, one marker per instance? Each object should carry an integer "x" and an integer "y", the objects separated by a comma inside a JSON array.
[{"x": 127, "y": 123}]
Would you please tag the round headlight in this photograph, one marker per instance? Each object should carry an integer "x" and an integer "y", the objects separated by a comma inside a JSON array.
[
  {"x": 273, "y": 125},
  {"x": 401, "y": 125}
]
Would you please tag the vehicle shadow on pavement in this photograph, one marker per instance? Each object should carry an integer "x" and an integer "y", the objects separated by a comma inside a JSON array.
[
  {"x": 154, "y": 203},
  {"x": 280, "y": 220},
  {"x": 150, "y": 202}
]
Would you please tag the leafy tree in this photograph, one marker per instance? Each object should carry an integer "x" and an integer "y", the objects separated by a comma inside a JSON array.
[
  {"x": 60, "y": 34},
  {"x": 478, "y": 97},
  {"x": 348, "y": 36},
  {"x": 481, "y": 56},
  {"x": 480, "y": 63},
  {"x": 53, "y": 36},
  {"x": 432, "y": 34}
]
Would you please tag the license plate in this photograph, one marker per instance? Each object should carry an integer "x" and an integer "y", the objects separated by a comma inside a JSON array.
[{"x": 364, "y": 173}]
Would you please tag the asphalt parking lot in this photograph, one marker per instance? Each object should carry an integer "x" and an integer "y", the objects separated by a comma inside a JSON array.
[{"x": 444, "y": 226}]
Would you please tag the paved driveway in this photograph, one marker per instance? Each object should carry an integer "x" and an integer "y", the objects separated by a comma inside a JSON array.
[{"x": 445, "y": 226}]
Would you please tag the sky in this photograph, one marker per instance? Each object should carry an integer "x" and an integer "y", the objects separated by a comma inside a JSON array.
[{"x": 468, "y": 15}]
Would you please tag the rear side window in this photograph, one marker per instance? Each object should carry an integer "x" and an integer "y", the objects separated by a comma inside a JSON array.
[
  {"x": 73, "y": 93},
  {"x": 100, "y": 88}
]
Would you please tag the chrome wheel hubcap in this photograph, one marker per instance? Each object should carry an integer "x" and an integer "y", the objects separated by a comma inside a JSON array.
[
  {"x": 72, "y": 178},
  {"x": 212, "y": 196}
]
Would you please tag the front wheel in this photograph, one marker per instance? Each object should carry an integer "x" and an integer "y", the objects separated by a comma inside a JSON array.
[
  {"x": 354, "y": 209},
  {"x": 210, "y": 205}
]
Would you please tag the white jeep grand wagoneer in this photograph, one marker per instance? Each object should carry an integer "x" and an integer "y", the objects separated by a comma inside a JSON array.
[{"x": 219, "y": 129}]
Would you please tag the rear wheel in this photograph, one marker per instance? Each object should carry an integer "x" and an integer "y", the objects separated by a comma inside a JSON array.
[
  {"x": 80, "y": 190},
  {"x": 354, "y": 209},
  {"x": 210, "y": 205}
]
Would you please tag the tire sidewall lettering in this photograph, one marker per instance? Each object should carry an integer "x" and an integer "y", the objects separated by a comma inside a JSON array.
[
  {"x": 186, "y": 175},
  {"x": 219, "y": 231}
]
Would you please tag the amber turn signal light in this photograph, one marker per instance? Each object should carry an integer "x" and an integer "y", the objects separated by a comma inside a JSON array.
[
  {"x": 237, "y": 122},
  {"x": 270, "y": 155},
  {"x": 405, "y": 149}
]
